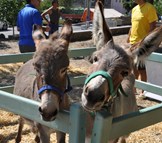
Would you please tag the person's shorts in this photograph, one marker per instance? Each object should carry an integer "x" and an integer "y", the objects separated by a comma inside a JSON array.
[
  {"x": 54, "y": 28},
  {"x": 25, "y": 48},
  {"x": 140, "y": 67}
]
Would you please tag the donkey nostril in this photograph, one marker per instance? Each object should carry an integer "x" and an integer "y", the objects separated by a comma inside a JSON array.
[
  {"x": 55, "y": 113},
  {"x": 40, "y": 110},
  {"x": 86, "y": 91}
]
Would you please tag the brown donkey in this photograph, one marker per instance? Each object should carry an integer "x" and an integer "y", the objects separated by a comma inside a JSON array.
[
  {"x": 44, "y": 78},
  {"x": 111, "y": 80}
]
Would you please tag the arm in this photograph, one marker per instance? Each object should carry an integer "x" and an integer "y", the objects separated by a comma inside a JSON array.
[
  {"x": 129, "y": 35},
  {"x": 152, "y": 18},
  {"x": 60, "y": 13},
  {"x": 41, "y": 28},
  {"x": 152, "y": 26},
  {"x": 18, "y": 29},
  {"x": 48, "y": 11}
]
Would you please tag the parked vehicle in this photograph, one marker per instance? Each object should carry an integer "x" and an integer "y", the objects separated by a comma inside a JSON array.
[{"x": 3, "y": 25}]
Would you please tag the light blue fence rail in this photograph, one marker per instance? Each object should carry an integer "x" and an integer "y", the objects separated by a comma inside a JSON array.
[{"x": 72, "y": 121}]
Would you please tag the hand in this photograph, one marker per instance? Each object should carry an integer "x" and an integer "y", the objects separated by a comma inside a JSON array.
[
  {"x": 128, "y": 40},
  {"x": 47, "y": 29}
]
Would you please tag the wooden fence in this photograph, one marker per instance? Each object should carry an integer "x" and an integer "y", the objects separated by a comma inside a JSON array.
[{"x": 73, "y": 122}]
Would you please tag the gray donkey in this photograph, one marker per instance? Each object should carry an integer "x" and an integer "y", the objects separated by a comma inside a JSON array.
[
  {"x": 44, "y": 78},
  {"x": 110, "y": 81}
]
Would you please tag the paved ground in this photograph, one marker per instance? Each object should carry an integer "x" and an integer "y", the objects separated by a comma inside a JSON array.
[{"x": 9, "y": 32}]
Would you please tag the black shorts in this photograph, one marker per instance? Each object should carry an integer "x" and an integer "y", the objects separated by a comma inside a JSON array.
[{"x": 140, "y": 67}]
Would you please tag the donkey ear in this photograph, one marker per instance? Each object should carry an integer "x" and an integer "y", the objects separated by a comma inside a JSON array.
[
  {"x": 37, "y": 37},
  {"x": 148, "y": 45},
  {"x": 101, "y": 32},
  {"x": 37, "y": 34},
  {"x": 66, "y": 31},
  {"x": 65, "y": 35}
]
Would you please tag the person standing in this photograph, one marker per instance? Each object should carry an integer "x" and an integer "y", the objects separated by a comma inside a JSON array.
[
  {"x": 143, "y": 19},
  {"x": 54, "y": 16},
  {"x": 28, "y": 18}
]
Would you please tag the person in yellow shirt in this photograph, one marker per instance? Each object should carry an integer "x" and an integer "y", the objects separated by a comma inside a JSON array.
[{"x": 143, "y": 19}]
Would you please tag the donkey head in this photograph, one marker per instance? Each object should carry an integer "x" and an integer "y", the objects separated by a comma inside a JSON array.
[
  {"x": 51, "y": 62},
  {"x": 111, "y": 64}
]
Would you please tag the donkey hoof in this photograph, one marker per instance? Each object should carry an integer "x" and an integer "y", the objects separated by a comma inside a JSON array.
[
  {"x": 17, "y": 140},
  {"x": 37, "y": 139}
]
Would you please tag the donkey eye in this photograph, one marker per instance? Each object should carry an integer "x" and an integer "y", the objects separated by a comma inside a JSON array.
[
  {"x": 124, "y": 73},
  {"x": 37, "y": 70},
  {"x": 64, "y": 70},
  {"x": 95, "y": 59},
  {"x": 43, "y": 79}
]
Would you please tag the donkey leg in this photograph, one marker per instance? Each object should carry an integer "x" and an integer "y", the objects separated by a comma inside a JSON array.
[
  {"x": 35, "y": 131},
  {"x": 19, "y": 133},
  {"x": 37, "y": 139},
  {"x": 43, "y": 134},
  {"x": 60, "y": 137},
  {"x": 122, "y": 140}
]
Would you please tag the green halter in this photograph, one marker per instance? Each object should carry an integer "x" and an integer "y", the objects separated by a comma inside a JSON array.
[{"x": 107, "y": 76}]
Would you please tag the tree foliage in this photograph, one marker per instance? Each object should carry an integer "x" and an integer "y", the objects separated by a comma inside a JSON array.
[
  {"x": 129, "y": 4},
  {"x": 158, "y": 6},
  {"x": 45, "y": 4},
  {"x": 9, "y": 10},
  {"x": 66, "y": 3},
  {"x": 62, "y": 3}
]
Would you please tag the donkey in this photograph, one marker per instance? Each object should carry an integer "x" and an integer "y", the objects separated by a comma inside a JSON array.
[
  {"x": 44, "y": 78},
  {"x": 110, "y": 80}
]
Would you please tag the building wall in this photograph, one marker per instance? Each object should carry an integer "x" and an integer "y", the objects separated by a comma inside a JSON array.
[{"x": 117, "y": 5}]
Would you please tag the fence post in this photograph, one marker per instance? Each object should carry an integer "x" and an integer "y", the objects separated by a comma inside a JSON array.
[
  {"x": 102, "y": 127},
  {"x": 77, "y": 124}
]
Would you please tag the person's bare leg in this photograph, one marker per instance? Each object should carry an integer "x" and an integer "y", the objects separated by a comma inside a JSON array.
[
  {"x": 136, "y": 74},
  {"x": 142, "y": 77}
]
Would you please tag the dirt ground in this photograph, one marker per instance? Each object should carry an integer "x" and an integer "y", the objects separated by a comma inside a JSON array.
[{"x": 9, "y": 121}]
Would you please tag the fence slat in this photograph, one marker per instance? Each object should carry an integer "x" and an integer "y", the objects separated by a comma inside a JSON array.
[
  {"x": 136, "y": 120},
  {"x": 156, "y": 57},
  {"x": 149, "y": 87},
  {"x": 77, "y": 52},
  {"x": 8, "y": 89},
  {"x": 15, "y": 58},
  {"x": 29, "y": 109},
  {"x": 78, "y": 80}
]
